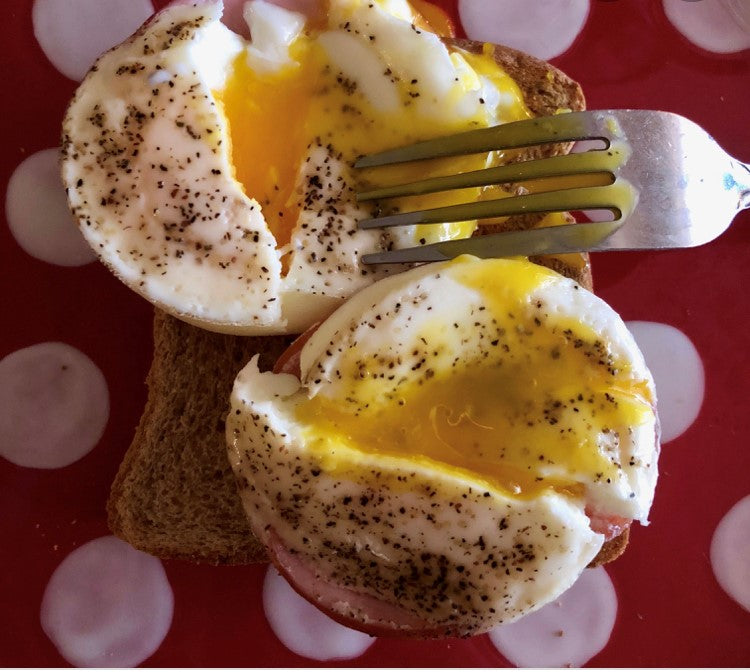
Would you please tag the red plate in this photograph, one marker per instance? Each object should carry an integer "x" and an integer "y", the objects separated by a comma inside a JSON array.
[{"x": 671, "y": 609}]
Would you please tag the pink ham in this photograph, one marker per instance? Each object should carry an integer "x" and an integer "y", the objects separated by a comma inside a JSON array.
[{"x": 348, "y": 607}]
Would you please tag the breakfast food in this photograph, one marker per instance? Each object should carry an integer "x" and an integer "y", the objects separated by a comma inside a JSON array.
[
  {"x": 213, "y": 175},
  {"x": 174, "y": 495},
  {"x": 459, "y": 441}
]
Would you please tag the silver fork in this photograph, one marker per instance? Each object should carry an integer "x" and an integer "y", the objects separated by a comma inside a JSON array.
[{"x": 672, "y": 186}]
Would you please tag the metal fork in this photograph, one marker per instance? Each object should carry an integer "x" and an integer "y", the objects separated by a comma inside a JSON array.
[{"x": 672, "y": 186}]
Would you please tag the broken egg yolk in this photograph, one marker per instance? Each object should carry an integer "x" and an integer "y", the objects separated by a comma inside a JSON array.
[
  {"x": 541, "y": 406},
  {"x": 274, "y": 118}
]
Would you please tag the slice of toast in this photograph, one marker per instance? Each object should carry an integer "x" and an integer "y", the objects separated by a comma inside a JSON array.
[{"x": 175, "y": 495}]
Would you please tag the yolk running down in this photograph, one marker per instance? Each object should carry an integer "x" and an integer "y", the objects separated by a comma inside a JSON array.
[
  {"x": 540, "y": 412},
  {"x": 268, "y": 141},
  {"x": 273, "y": 119}
]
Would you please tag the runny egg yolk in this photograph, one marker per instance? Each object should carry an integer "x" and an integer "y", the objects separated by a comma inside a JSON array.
[
  {"x": 541, "y": 410},
  {"x": 273, "y": 118}
]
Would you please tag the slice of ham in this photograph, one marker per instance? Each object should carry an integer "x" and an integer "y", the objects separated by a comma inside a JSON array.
[
  {"x": 608, "y": 525},
  {"x": 350, "y": 608},
  {"x": 289, "y": 361}
]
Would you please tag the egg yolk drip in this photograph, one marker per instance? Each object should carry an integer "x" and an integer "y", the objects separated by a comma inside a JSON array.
[
  {"x": 273, "y": 119},
  {"x": 538, "y": 409}
]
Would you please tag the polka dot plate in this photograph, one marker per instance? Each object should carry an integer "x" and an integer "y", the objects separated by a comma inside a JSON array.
[{"x": 76, "y": 346}]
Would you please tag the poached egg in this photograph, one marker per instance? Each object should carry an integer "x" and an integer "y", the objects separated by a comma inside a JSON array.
[
  {"x": 450, "y": 449},
  {"x": 213, "y": 174}
]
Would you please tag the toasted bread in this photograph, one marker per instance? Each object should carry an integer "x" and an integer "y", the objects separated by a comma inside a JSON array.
[{"x": 175, "y": 495}]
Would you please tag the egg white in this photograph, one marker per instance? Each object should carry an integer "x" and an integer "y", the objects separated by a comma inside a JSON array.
[{"x": 370, "y": 522}]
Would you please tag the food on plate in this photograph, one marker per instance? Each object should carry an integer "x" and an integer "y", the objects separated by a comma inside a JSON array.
[
  {"x": 174, "y": 495},
  {"x": 213, "y": 174},
  {"x": 460, "y": 440},
  {"x": 456, "y": 446}
]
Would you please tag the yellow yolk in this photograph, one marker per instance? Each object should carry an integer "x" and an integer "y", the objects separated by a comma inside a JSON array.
[
  {"x": 575, "y": 260},
  {"x": 549, "y": 393},
  {"x": 432, "y": 18},
  {"x": 274, "y": 117},
  {"x": 268, "y": 142},
  {"x": 513, "y": 103}
]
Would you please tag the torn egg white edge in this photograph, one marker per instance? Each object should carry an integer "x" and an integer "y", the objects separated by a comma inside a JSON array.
[
  {"x": 213, "y": 51},
  {"x": 273, "y": 398},
  {"x": 273, "y": 30},
  {"x": 639, "y": 446}
]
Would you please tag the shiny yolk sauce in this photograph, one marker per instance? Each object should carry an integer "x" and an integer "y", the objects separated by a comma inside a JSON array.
[
  {"x": 273, "y": 119},
  {"x": 537, "y": 404}
]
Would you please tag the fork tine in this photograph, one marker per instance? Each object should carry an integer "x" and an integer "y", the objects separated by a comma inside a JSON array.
[
  {"x": 545, "y": 240},
  {"x": 570, "y": 164},
  {"x": 617, "y": 197},
  {"x": 560, "y": 128}
]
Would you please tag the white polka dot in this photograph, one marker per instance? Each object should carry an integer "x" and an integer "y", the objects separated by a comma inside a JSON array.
[
  {"x": 54, "y": 405},
  {"x": 73, "y": 33},
  {"x": 107, "y": 605},
  {"x": 722, "y": 26},
  {"x": 543, "y": 28},
  {"x": 567, "y": 632},
  {"x": 730, "y": 553},
  {"x": 304, "y": 629},
  {"x": 678, "y": 374},
  {"x": 38, "y": 215}
]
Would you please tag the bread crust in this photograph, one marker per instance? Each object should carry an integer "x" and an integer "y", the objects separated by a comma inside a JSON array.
[{"x": 546, "y": 89}]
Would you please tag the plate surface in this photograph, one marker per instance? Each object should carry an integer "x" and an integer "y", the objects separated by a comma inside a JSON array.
[{"x": 670, "y": 608}]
